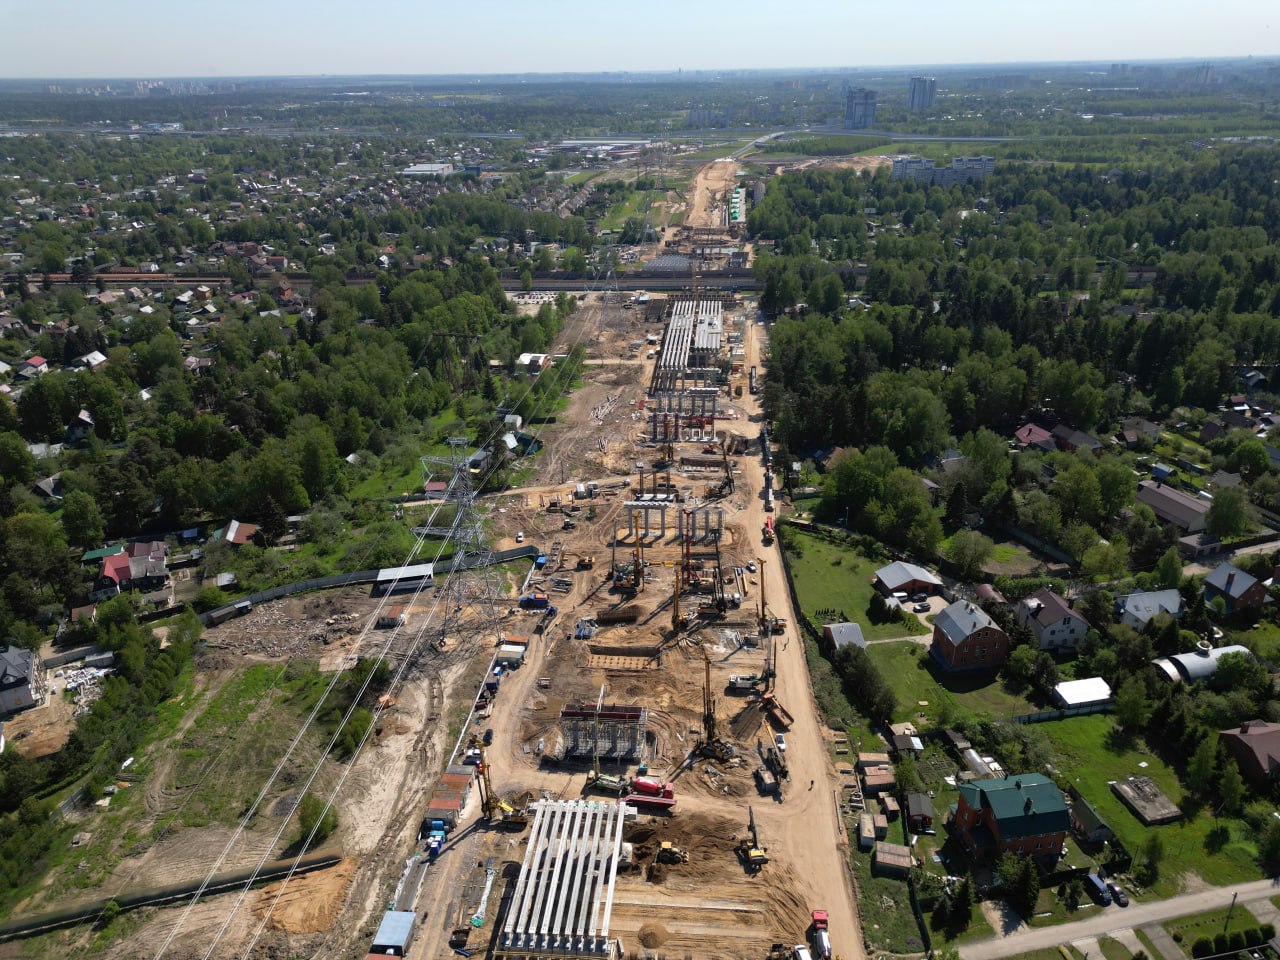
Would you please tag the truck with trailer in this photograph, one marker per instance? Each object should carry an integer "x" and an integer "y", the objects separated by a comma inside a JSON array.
[
  {"x": 493, "y": 681},
  {"x": 648, "y": 792},
  {"x": 535, "y": 601}
]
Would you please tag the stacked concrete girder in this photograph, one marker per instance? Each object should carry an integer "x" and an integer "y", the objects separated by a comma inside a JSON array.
[{"x": 563, "y": 898}]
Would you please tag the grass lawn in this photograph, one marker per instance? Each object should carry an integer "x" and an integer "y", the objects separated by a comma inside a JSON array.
[
  {"x": 1209, "y": 923},
  {"x": 829, "y": 576},
  {"x": 887, "y": 920},
  {"x": 1088, "y": 756},
  {"x": 1113, "y": 949},
  {"x": 915, "y": 677},
  {"x": 1147, "y": 945},
  {"x": 1051, "y": 953},
  {"x": 1263, "y": 639}
]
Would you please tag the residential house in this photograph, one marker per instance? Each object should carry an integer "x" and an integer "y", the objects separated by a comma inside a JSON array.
[
  {"x": 1221, "y": 479},
  {"x": 919, "y": 812},
  {"x": 902, "y": 577},
  {"x": 50, "y": 487},
  {"x": 836, "y": 636},
  {"x": 235, "y": 533},
  {"x": 966, "y": 638},
  {"x": 1238, "y": 590},
  {"x": 950, "y": 460},
  {"x": 1255, "y": 744},
  {"x": 32, "y": 367},
  {"x": 1200, "y": 664},
  {"x": 1211, "y": 430},
  {"x": 1163, "y": 472},
  {"x": 1184, "y": 511},
  {"x": 1136, "y": 432},
  {"x": 1022, "y": 814},
  {"x": 78, "y": 430},
  {"x": 21, "y": 686},
  {"x": 1053, "y": 621},
  {"x": 1138, "y": 609},
  {"x": 112, "y": 578},
  {"x": 1087, "y": 824},
  {"x": 1034, "y": 435},
  {"x": 92, "y": 360},
  {"x": 1071, "y": 439}
]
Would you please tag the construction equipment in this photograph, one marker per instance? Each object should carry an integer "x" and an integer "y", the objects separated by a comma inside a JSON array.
[
  {"x": 776, "y": 761},
  {"x": 679, "y": 621},
  {"x": 648, "y": 792},
  {"x": 821, "y": 936},
  {"x": 766, "y": 534},
  {"x": 606, "y": 783},
  {"x": 670, "y": 853},
  {"x": 748, "y": 849},
  {"x": 776, "y": 711},
  {"x": 711, "y": 746},
  {"x": 493, "y": 806},
  {"x": 764, "y": 602},
  {"x": 767, "y": 675}
]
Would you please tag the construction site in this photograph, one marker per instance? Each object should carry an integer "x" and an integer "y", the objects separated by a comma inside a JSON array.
[
  {"x": 608, "y": 748},
  {"x": 652, "y": 775}
]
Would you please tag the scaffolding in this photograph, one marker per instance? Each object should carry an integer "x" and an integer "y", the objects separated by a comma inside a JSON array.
[
  {"x": 563, "y": 898},
  {"x": 610, "y": 731}
]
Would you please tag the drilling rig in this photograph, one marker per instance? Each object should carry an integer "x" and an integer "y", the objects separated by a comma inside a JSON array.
[{"x": 711, "y": 746}]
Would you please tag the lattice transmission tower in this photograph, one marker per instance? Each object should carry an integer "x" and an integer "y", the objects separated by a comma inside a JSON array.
[{"x": 471, "y": 594}]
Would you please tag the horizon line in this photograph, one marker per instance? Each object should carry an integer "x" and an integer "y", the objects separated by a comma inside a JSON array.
[{"x": 655, "y": 71}]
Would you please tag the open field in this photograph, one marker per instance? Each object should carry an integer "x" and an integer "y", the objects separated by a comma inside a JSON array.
[
  {"x": 1199, "y": 849},
  {"x": 831, "y": 577},
  {"x": 925, "y": 688}
]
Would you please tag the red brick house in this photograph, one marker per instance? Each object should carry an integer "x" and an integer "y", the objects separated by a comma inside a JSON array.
[
  {"x": 965, "y": 638},
  {"x": 1023, "y": 814}
]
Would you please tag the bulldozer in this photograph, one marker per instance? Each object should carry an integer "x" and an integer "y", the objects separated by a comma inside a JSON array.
[
  {"x": 749, "y": 850},
  {"x": 668, "y": 852}
]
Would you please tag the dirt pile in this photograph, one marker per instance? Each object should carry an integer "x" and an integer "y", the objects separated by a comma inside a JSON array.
[
  {"x": 653, "y": 935},
  {"x": 309, "y": 902}
]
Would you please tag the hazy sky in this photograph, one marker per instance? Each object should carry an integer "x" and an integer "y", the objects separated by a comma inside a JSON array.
[{"x": 146, "y": 38}]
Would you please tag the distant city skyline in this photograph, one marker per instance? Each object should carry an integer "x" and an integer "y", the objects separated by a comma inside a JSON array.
[{"x": 70, "y": 39}]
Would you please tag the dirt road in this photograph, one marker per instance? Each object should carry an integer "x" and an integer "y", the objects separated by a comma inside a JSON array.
[
  {"x": 806, "y": 825},
  {"x": 711, "y": 189}
]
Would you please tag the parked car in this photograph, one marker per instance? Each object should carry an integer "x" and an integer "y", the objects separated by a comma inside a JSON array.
[
  {"x": 488, "y": 736},
  {"x": 751, "y": 566},
  {"x": 519, "y": 536},
  {"x": 780, "y": 742},
  {"x": 920, "y": 597},
  {"x": 1117, "y": 893},
  {"x": 921, "y": 608}
]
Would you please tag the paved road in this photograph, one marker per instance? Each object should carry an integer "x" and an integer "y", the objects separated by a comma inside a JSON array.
[{"x": 1113, "y": 918}]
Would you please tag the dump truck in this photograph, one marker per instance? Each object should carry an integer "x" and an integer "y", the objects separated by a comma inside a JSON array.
[
  {"x": 821, "y": 936},
  {"x": 776, "y": 711}
]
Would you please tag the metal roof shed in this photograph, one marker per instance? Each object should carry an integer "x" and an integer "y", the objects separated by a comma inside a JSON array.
[
  {"x": 394, "y": 933},
  {"x": 1081, "y": 693}
]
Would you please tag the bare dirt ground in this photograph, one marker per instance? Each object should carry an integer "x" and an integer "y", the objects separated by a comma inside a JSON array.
[
  {"x": 710, "y": 906},
  {"x": 42, "y": 730},
  {"x": 868, "y": 164},
  {"x": 306, "y": 904},
  {"x": 711, "y": 189}
]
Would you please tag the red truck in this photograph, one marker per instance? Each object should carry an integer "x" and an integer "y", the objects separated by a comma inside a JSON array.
[
  {"x": 645, "y": 791},
  {"x": 821, "y": 938}
]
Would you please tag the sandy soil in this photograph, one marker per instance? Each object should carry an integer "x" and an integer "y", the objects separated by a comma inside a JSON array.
[
  {"x": 869, "y": 164},
  {"x": 44, "y": 729},
  {"x": 306, "y": 904},
  {"x": 711, "y": 190}
]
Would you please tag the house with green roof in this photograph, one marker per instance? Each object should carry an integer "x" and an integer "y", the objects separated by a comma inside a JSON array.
[{"x": 1023, "y": 814}]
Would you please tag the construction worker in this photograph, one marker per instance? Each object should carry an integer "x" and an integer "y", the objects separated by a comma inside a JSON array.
[{"x": 810, "y": 784}]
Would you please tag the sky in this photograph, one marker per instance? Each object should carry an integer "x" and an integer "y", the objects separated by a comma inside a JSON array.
[{"x": 145, "y": 38}]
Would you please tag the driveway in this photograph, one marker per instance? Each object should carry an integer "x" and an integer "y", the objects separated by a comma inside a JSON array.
[{"x": 1113, "y": 918}]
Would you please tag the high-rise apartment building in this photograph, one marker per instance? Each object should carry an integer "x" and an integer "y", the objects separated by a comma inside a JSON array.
[
  {"x": 859, "y": 108},
  {"x": 924, "y": 92}
]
